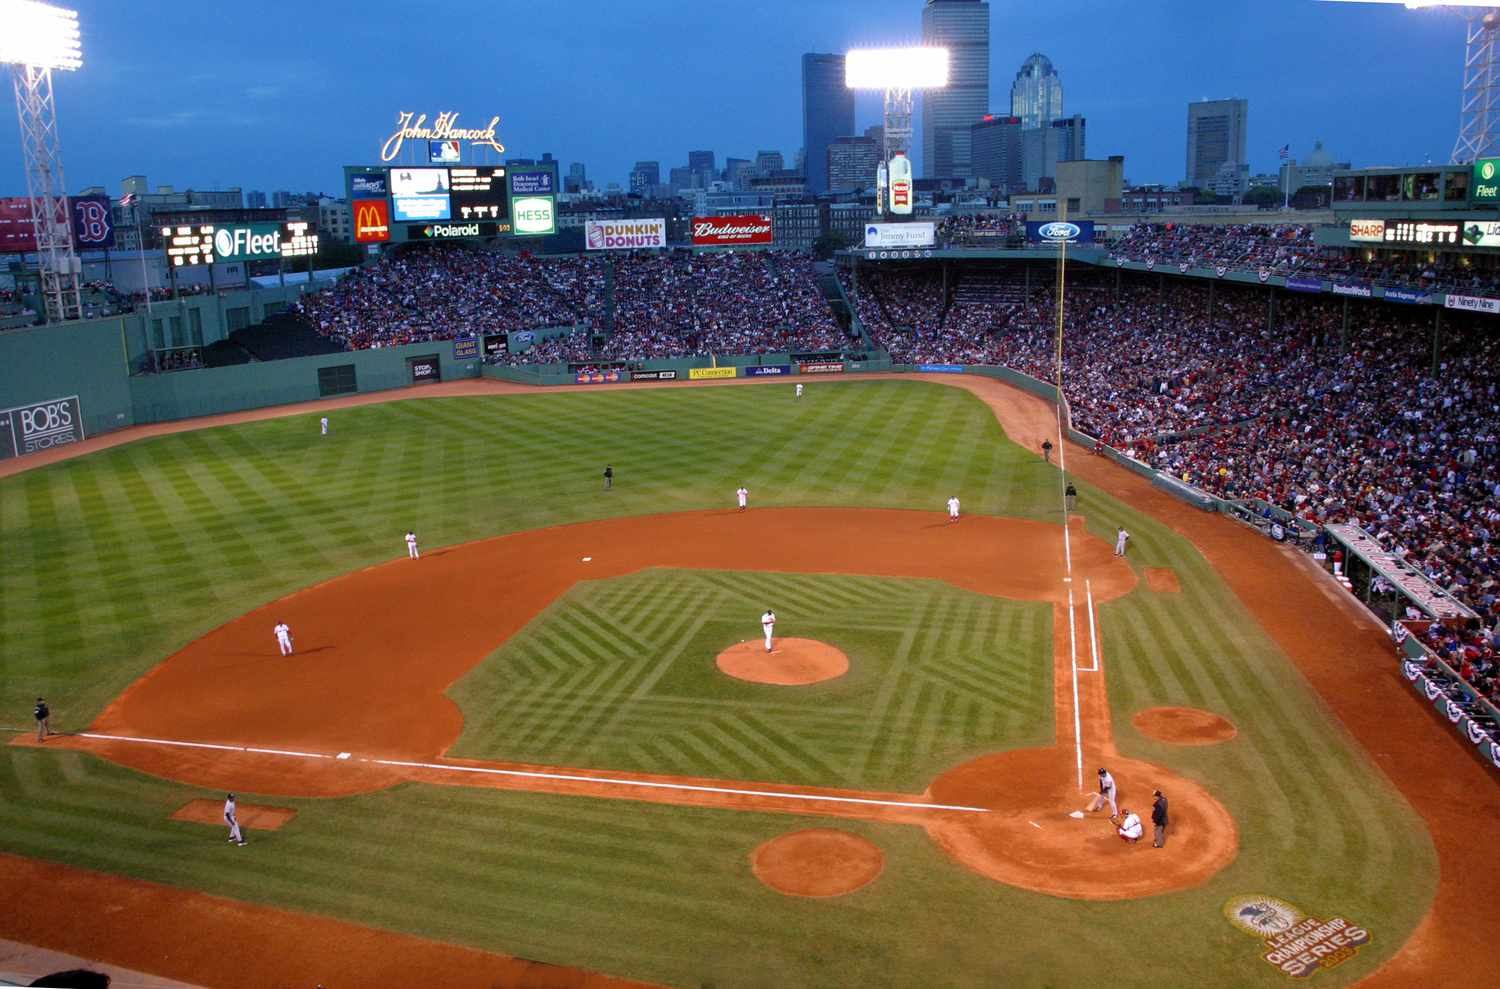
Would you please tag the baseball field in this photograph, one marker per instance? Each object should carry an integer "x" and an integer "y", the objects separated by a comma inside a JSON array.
[{"x": 551, "y": 749}]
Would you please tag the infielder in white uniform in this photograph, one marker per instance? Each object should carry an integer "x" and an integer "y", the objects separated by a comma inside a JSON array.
[
  {"x": 953, "y": 509},
  {"x": 1121, "y": 536},
  {"x": 324, "y": 423},
  {"x": 768, "y": 624},
  {"x": 743, "y": 494},
  {"x": 284, "y": 638},
  {"x": 799, "y": 389},
  {"x": 234, "y": 824},
  {"x": 1106, "y": 795},
  {"x": 411, "y": 547}
]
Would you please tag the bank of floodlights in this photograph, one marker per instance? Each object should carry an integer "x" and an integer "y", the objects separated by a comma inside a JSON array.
[
  {"x": 36, "y": 38},
  {"x": 1479, "y": 104},
  {"x": 898, "y": 73}
]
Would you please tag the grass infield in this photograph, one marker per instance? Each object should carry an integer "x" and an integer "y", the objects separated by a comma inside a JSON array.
[{"x": 113, "y": 560}]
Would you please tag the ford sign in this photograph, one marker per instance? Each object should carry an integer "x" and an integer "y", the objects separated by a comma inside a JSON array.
[{"x": 1060, "y": 232}]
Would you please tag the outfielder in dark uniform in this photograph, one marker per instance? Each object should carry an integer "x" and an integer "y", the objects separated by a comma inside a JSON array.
[{"x": 42, "y": 713}]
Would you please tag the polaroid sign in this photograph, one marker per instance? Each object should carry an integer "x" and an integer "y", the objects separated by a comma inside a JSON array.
[
  {"x": 624, "y": 235},
  {"x": 921, "y": 234},
  {"x": 40, "y": 426},
  {"x": 1060, "y": 232}
]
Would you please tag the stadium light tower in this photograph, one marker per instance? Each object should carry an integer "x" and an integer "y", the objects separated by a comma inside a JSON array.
[
  {"x": 898, "y": 73},
  {"x": 1479, "y": 107},
  {"x": 36, "y": 38}
]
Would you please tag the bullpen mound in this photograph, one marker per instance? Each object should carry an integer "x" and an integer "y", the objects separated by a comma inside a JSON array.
[
  {"x": 793, "y": 663},
  {"x": 1183, "y": 726},
  {"x": 817, "y": 862}
]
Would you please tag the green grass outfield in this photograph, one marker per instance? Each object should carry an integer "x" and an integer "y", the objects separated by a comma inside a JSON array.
[{"x": 113, "y": 560}]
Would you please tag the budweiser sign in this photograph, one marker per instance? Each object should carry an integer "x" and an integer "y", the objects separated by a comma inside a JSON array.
[{"x": 731, "y": 231}]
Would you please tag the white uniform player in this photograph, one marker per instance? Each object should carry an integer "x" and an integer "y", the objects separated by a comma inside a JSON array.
[
  {"x": 1121, "y": 537},
  {"x": 233, "y": 821},
  {"x": 799, "y": 389},
  {"x": 743, "y": 494},
  {"x": 324, "y": 423},
  {"x": 1106, "y": 795},
  {"x": 768, "y": 625},
  {"x": 284, "y": 638},
  {"x": 953, "y": 509},
  {"x": 1130, "y": 828},
  {"x": 411, "y": 547}
]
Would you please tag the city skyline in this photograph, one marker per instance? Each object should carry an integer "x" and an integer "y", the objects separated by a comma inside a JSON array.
[{"x": 277, "y": 109}]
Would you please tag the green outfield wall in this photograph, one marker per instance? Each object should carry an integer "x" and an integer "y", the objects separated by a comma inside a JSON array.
[{"x": 87, "y": 359}]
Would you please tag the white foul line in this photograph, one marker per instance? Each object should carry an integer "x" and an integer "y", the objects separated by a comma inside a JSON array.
[
  {"x": 1088, "y": 588},
  {"x": 530, "y": 774},
  {"x": 1077, "y": 717}
]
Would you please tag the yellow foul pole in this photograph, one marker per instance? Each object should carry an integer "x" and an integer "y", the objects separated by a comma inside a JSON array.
[{"x": 1062, "y": 264}]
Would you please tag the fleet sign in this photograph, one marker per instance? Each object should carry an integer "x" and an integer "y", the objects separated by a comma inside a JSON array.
[
  {"x": 1485, "y": 186},
  {"x": 917, "y": 234},
  {"x": 731, "y": 231},
  {"x": 372, "y": 221},
  {"x": 247, "y": 242},
  {"x": 624, "y": 235}
]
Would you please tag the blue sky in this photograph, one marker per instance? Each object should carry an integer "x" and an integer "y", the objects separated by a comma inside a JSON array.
[{"x": 275, "y": 94}]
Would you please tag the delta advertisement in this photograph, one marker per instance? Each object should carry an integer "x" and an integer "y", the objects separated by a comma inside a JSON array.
[
  {"x": 919, "y": 234},
  {"x": 1060, "y": 232},
  {"x": 40, "y": 426},
  {"x": 735, "y": 230},
  {"x": 624, "y": 235},
  {"x": 768, "y": 370}
]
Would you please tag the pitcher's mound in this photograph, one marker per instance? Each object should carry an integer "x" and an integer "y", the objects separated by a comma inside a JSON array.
[
  {"x": 793, "y": 662},
  {"x": 256, "y": 817},
  {"x": 817, "y": 862},
  {"x": 1184, "y": 726}
]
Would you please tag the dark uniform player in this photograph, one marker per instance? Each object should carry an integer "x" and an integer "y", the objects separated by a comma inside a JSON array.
[
  {"x": 42, "y": 713},
  {"x": 609, "y": 477}
]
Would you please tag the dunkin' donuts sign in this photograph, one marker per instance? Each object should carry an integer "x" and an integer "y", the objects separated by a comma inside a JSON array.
[{"x": 731, "y": 231}]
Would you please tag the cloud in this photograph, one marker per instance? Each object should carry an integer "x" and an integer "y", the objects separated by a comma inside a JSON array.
[
  {"x": 176, "y": 118},
  {"x": 263, "y": 92}
]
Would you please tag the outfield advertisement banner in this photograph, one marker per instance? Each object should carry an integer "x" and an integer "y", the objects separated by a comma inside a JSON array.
[
  {"x": 731, "y": 231},
  {"x": 915, "y": 234},
  {"x": 624, "y": 235},
  {"x": 1060, "y": 232},
  {"x": 700, "y": 373},
  {"x": 424, "y": 369},
  {"x": 768, "y": 370},
  {"x": 821, "y": 367},
  {"x": 1341, "y": 288},
  {"x": 467, "y": 348},
  {"x": 597, "y": 377},
  {"x": 942, "y": 368},
  {"x": 40, "y": 426},
  {"x": 1404, "y": 295},
  {"x": 1472, "y": 303},
  {"x": 496, "y": 345},
  {"x": 653, "y": 375},
  {"x": 1304, "y": 284}
]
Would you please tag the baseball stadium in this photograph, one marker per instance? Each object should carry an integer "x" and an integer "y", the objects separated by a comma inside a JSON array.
[{"x": 655, "y": 600}]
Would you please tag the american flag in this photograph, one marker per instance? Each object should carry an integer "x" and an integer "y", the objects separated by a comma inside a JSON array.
[{"x": 1285, "y": 152}]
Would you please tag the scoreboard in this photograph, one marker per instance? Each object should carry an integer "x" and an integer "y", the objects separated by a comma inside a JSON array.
[{"x": 400, "y": 203}]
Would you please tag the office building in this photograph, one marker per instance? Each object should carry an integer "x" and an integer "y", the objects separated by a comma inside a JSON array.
[
  {"x": 577, "y": 179},
  {"x": 996, "y": 148},
  {"x": 645, "y": 177},
  {"x": 255, "y": 199},
  {"x": 1036, "y": 96},
  {"x": 1087, "y": 187},
  {"x": 1317, "y": 170},
  {"x": 701, "y": 164},
  {"x": 737, "y": 172},
  {"x": 1216, "y": 131},
  {"x": 682, "y": 178},
  {"x": 767, "y": 162},
  {"x": 1043, "y": 147},
  {"x": 851, "y": 164},
  {"x": 827, "y": 114},
  {"x": 335, "y": 219},
  {"x": 962, "y": 27}
]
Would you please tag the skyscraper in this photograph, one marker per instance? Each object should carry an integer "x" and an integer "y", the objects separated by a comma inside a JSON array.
[
  {"x": 1215, "y": 139},
  {"x": 962, "y": 27},
  {"x": 1036, "y": 96},
  {"x": 701, "y": 163},
  {"x": 645, "y": 177},
  {"x": 851, "y": 163},
  {"x": 767, "y": 162},
  {"x": 996, "y": 144},
  {"x": 827, "y": 113}
]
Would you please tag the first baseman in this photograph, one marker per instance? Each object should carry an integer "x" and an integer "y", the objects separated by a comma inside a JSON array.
[
  {"x": 1106, "y": 794},
  {"x": 768, "y": 624},
  {"x": 284, "y": 638},
  {"x": 234, "y": 824},
  {"x": 412, "y": 552},
  {"x": 743, "y": 494},
  {"x": 953, "y": 509}
]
